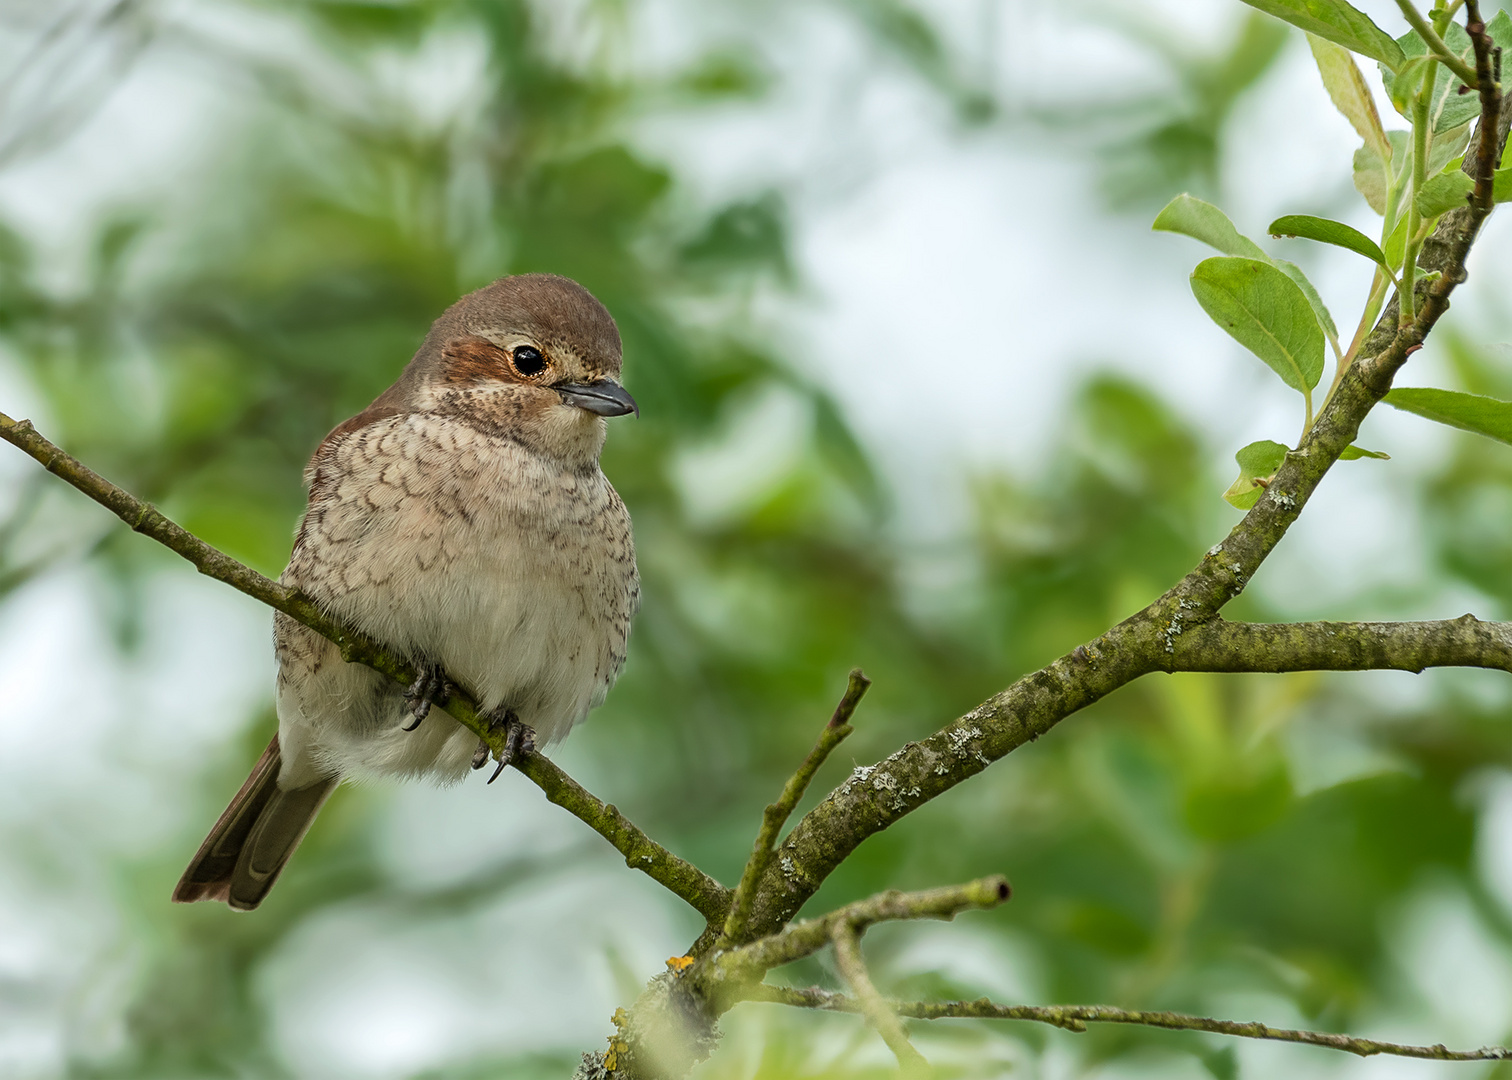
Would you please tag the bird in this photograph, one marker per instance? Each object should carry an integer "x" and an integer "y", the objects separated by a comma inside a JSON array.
[{"x": 462, "y": 520}]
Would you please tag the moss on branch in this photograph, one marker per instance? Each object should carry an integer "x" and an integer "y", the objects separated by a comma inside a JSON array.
[{"x": 1220, "y": 645}]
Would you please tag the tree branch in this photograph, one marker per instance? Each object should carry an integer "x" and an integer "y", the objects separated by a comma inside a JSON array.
[
  {"x": 1178, "y": 631},
  {"x": 875, "y": 797},
  {"x": 1077, "y": 1017},
  {"x": 719, "y": 975},
  {"x": 709, "y": 898},
  {"x": 777, "y": 813},
  {"x": 871, "y": 1005},
  {"x": 1219, "y": 645}
]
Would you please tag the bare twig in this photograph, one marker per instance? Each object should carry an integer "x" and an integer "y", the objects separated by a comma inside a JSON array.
[
  {"x": 777, "y": 813},
  {"x": 702, "y": 892},
  {"x": 720, "y": 973},
  {"x": 1077, "y": 1017},
  {"x": 870, "y": 1004}
]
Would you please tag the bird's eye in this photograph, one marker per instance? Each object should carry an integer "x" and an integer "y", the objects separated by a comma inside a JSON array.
[{"x": 528, "y": 360}]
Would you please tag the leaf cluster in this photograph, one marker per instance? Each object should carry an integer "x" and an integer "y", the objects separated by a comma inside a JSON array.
[{"x": 1411, "y": 178}]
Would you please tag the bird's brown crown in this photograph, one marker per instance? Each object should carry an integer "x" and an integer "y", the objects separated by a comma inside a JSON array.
[
  {"x": 555, "y": 314},
  {"x": 494, "y": 356}
]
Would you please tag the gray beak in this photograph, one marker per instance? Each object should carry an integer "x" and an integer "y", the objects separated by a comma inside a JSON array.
[{"x": 604, "y": 397}]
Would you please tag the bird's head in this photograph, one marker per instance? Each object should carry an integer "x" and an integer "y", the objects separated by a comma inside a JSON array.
[{"x": 533, "y": 357}]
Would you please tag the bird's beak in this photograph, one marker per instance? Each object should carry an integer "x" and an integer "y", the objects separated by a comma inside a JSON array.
[{"x": 604, "y": 397}]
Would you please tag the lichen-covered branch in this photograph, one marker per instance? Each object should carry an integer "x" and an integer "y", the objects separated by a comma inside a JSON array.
[
  {"x": 877, "y": 796},
  {"x": 709, "y": 898},
  {"x": 777, "y": 813},
  {"x": 1077, "y": 1017},
  {"x": 1220, "y": 645}
]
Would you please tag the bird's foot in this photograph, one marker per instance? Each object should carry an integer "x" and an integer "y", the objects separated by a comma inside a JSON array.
[
  {"x": 430, "y": 687},
  {"x": 518, "y": 739}
]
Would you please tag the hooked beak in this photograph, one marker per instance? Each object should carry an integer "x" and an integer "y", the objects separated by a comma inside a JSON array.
[{"x": 604, "y": 397}]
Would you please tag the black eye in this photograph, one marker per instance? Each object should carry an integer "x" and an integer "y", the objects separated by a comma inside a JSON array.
[{"x": 528, "y": 360}]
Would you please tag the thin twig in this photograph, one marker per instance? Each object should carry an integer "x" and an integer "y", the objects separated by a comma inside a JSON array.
[
  {"x": 1077, "y": 1017},
  {"x": 709, "y": 898},
  {"x": 872, "y": 1005},
  {"x": 722, "y": 972},
  {"x": 777, "y": 813}
]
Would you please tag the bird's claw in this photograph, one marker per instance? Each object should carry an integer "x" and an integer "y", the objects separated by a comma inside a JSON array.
[
  {"x": 518, "y": 739},
  {"x": 431, "y": 686}
]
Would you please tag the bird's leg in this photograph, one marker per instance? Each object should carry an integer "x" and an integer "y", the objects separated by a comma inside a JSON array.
[
  {"x": 430, "y": 686},
  {"x": 518, "y": 739}
]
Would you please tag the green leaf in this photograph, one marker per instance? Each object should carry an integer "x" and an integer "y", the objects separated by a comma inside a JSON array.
[
  {"x": 1372, "y": 178},
  {"x": 1445, "y": 147},
  {"x": 1471, "y": 412},
  {"x": 1265, "y": 311},
  {"x": 1396, "y": 244},
  {"x": 1408, "y": 80},
  {"x": 1314, "y": 300},
  {"x": 1326, "y": 231},
  {"x": 1500, "y": 29},
  {"x": 1346, "y": 87},
  {"x": 1203, "y": 221},
  {"x": 1354, "y": 453},
  {"x": 1501, "y": 185},
  {"x": 1447, "y": 107},
  {"x": 1258, "y": 462},
  {"x": 1443, "y": 193},
  {"x": 1340, "y": 23}
]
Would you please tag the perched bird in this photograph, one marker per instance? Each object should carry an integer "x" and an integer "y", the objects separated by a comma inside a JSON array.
[{"x": 462, "y": 520}]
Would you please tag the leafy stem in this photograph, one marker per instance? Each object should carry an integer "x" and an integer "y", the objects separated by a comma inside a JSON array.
[
  {"x": 1414, "y": 242},
  {"x": 1436, "y": 46}
]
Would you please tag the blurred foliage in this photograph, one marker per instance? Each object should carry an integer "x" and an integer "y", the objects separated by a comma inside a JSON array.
[
  {"x": 1152, "y": 143},
  {"x": 1190, "y": 838}
]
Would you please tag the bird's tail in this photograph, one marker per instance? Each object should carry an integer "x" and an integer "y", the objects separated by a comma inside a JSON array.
[{"x": 243, "y": 855}]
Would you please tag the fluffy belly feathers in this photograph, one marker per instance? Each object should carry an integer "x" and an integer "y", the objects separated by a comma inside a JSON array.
[{"x": 522, "y": 588}]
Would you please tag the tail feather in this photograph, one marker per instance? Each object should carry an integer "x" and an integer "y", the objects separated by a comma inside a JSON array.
[{"x": 248, "y": 847}]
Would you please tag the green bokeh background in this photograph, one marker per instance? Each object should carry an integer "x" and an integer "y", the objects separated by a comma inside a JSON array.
[{"x": 1186, "y": 844}]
